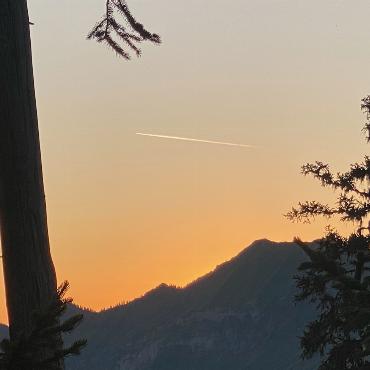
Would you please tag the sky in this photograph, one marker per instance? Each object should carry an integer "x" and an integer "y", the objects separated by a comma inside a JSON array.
[{"x": 127, "y": 212}]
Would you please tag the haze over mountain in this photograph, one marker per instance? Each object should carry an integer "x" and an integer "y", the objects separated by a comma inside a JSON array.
[{"x": 241, "y": 316}]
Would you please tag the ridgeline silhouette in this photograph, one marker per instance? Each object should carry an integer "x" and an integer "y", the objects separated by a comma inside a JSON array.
[{"x": 240, "y": 316}]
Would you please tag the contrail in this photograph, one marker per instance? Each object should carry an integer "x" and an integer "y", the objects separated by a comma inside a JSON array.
[{"x": 195, "y": 140}]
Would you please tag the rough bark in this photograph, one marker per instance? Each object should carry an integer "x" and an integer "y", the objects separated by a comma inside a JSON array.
[{"x": 29, "y": 273}]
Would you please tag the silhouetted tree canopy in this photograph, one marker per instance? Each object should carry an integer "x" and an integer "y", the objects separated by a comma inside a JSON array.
[
  {"x": 118, "y": 36},
  {"x": 336, "y": 278}
]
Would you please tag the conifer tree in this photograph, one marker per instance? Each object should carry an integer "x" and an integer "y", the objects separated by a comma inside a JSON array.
[
  {"x": 336, "y": 277},
  {"x": 24, "y": 353},
  {"x": 29, "y": 274}
]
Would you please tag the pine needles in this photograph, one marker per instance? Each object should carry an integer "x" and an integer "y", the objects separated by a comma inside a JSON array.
[
  {"x": 117, "y": 36},
  {"x": 36, "y": 351}
]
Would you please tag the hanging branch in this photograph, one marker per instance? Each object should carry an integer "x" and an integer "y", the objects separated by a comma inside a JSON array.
[{"x": 120, "y": 37}]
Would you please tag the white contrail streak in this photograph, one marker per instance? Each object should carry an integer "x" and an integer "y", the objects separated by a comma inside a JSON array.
[{"x": 195, "y": 140}]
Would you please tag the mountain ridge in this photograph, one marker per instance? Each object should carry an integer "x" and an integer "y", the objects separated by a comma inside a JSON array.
[
  {"x": 239, "y": 316},
  {"x": 229, "y": 318}
]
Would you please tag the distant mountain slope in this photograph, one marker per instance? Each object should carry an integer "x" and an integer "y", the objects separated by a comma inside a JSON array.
[
  {"x": 241, "y": 316},
  {"x": 3, "y": 331}
]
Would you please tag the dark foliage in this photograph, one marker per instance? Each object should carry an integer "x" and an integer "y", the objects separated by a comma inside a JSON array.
[
  {"x": 25, "y": 354},
  {"x": 337, "y": 277},
  {"x": 117, "y": 36}
]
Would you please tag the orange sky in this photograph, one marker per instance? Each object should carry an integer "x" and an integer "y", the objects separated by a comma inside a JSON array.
[{"x": 126, "y": 212}]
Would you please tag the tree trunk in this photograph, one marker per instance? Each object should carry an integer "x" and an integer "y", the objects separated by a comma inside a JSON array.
[{"x": 29, "y": 274}]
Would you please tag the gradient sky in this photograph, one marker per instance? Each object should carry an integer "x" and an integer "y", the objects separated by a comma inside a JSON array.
[{"x": 127, "y": 212}]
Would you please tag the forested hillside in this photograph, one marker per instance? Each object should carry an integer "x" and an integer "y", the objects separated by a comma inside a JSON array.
[{"x": 240, "y": 316}]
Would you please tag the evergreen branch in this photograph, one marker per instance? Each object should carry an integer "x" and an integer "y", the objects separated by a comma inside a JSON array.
[
  {"x": 366, "y": 107},
  {"x": 25, "y": 353},
  {"x": 345, "y": 181},
  {"x": 109, "y": 29},
  {"x": 309, "y": 210}
]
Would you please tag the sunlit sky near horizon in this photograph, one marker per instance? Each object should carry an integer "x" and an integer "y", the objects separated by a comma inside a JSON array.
[{"x": 128, "y": 212}]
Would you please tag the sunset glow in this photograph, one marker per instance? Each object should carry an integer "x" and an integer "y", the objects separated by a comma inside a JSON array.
[{"x": 282, "y": 80}]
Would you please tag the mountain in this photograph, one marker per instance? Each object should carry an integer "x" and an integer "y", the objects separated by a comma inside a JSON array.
[
  {"x": 3, "y": 331},
  {"x": 241, "y": 316}
]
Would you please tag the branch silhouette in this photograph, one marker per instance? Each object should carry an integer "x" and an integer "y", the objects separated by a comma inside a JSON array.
[
  {"x": 120, "y": 31},
  {"x": 335, "y": 278}
]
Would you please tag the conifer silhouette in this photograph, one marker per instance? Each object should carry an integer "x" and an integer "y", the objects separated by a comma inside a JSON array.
[
  {"x": 24, "y": 353},
  {"x": 336, "y": 278}
]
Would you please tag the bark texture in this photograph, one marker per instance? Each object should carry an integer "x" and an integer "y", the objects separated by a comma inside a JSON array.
[{"x": 29, "y": 273}]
